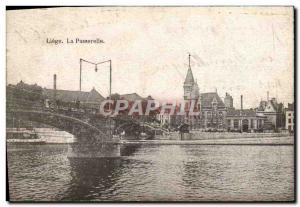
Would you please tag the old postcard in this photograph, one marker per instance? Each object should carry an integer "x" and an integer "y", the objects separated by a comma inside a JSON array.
[{"x": 115, "y": 104}]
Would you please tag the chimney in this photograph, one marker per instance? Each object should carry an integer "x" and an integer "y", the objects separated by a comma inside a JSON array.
[
  {"x": 54, "y": 81},
  {"x": 267, "y": 95},
  {"x": 241, "y": 102},
  {"x": 54, "y": 86}
]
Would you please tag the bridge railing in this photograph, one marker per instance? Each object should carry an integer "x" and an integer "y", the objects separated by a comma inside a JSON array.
[
  {"x": 96, "y": 120},
  {"x": 14, "y": 103}
]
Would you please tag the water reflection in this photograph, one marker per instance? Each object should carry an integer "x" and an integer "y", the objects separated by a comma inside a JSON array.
[
  {"x": 154, "y": 173},
  {"x": 128, "y": 150},
  {"x": 37, "y": 172},
  {"x": 243, "y": 173},
  {"x": 91, "y": 177}
]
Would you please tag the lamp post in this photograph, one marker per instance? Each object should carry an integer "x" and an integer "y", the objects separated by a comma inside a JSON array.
[{"x": 96, "y": 69}]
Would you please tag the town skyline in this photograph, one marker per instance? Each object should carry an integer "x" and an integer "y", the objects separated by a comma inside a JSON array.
[
  {"x": 150, "y": 104},
  {"x": 155, "y": 62},
  {"x": 177, "y": 101}
]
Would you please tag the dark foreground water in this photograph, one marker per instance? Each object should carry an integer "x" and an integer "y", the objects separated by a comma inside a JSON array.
[{"x": 153, "y": 173}]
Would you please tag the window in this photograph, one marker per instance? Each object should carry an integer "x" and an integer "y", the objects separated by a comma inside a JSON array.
[
  {"x": 290, "y": 121},
  {"x": 236, "y": 123},
  {"x": 228, "y": 122},
  {"x": 209, "y": 115},
  {"x": 252, "y": 123}
]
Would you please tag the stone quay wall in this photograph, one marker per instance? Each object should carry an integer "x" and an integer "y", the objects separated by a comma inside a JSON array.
[{"x": 218, "y": 135}]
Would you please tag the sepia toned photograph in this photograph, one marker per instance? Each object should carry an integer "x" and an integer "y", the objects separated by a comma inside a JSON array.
[{"x": 150, "y": 104}]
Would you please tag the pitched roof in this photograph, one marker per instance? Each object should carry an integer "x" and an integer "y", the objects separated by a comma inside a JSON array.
[
  {"x": 262, "y": 106},
  {"x": 207, "y": 99},
  {"x": 238, "y": 112},
  {"x": 290, "y": 107},
  {"x": 70, "y": 96},
  {"x": 270, "y": 106},
  {"x": 277, "y": 106},
  {"x": 149, "y": 98},
  {"x": 189, "y": 76},
  {"x": 131, "y": 97}
]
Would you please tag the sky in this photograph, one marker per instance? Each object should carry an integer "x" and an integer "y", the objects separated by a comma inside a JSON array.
[{"x": 239, "y": 50}]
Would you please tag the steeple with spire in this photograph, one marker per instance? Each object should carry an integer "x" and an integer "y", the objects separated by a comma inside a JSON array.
[
  {"x": 190, "y": 86},
  {"x": 189, "y": 79}
]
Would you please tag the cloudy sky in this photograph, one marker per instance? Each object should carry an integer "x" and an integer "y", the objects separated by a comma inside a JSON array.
[{"x": 239, "y": 50}]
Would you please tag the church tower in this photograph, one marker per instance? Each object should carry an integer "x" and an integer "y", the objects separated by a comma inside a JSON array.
[
  {"x": 190, "y": 87},
  {"x": 191, "y": 94}
]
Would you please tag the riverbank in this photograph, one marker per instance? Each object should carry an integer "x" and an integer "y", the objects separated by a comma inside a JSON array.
[
  {"x": 38, "y": 135},
  {"x": 197, "y": 135},
  {"x": 51, "y": 136},
  {"x": 283, "y": 140}
]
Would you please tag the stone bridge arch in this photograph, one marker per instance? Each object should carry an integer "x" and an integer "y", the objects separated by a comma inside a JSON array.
[
  {"x": 83, "y": 131},
  {"x": 129, "y": 124},
  {"x": 125, "y": 126},
  {"x": 154, "y": 128}
]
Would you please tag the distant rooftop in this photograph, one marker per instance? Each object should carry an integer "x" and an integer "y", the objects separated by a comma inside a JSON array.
[
  {"x": 129, "y": 96},
  {"x": 92, "y": 96},
  {"x": 207, "y": 99},
  {"x": 244, "y": 112}
]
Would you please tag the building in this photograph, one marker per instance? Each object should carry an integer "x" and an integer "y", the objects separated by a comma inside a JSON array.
[
  {"x": 244, "y": 120},
  {"x": 213, "y": 111},
  {"x": 190, "y": 86},
  {"x": 30, "y": 96},
  {"x": 274, "y": 112},
  {"x": 211, "y": 108},
  {"x": 216, "y": 115},
  {"x": 164, "y": 118},
  {"x": 289, "y": 117},
  {"x": 228, "y": 101},
  {"x": 89, "y": 101},
  {"x": 192, "y": 96},
  {"x": 132, "y": 98},
  {"x": 36, "y": 96}
]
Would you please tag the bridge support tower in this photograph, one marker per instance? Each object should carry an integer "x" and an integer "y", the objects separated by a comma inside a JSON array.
[{"x": 94, "y": 150}]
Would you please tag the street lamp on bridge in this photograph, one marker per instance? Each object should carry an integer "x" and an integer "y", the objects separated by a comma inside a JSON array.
[{"x": 96, "y": 69}]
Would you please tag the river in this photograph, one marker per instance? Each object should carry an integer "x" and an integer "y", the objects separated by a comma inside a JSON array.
[{"x": 154, "y": 173}]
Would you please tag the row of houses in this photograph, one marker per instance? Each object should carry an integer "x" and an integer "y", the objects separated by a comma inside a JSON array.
[
  {"x": 217, "y": 114},
  {"x": 87, "y": 101}
]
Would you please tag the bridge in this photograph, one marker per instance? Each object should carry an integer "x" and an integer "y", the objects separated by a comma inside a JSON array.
[
  {"x": 75, "y": 126},
  {"x": 128, "y": 124},
  {"x": 92, "y": 130}
]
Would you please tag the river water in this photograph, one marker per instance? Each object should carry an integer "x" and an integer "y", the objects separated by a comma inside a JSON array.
[{"x": 154, "y": 173}]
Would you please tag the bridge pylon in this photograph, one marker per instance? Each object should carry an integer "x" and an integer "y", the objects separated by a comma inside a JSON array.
[{"x": 94, "y": 150}]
